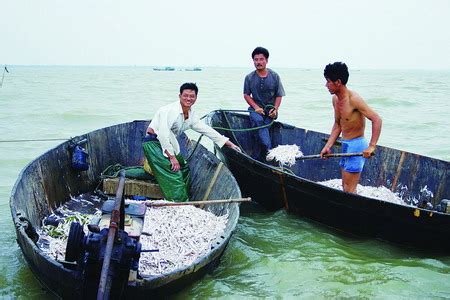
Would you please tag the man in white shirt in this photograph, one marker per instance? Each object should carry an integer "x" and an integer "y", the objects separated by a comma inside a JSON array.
[{"x": 161, "y": 147}]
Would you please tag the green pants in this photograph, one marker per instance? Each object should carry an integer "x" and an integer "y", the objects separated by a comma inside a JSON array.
[{"x": 174, "y": 185}]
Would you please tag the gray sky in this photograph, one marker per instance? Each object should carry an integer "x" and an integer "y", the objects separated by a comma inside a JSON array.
[{"x": 383, "y": 34}]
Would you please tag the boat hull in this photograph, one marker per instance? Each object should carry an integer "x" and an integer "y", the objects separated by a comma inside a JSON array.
[
  {"x": 297, "y": 190},
  {"x": 48, "y": 181}
]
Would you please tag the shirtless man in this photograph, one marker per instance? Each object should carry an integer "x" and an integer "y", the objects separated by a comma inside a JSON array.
[{"x": 350, "y": 113}]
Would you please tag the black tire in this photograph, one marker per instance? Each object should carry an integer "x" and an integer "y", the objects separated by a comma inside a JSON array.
[{"x": 74, "y": 242}]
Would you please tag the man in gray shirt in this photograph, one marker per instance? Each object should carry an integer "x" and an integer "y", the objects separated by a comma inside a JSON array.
[{"x": 263, "y": 92}]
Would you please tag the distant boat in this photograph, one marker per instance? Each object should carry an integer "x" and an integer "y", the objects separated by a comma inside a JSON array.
[
  {"x": 193, "y": 69},
  {"x": 164, "y": 69}
]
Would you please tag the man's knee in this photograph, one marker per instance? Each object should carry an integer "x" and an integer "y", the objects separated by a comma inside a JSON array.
[
  {"x": 350, "y": 181},
  {"x": 255, "y": 117}
]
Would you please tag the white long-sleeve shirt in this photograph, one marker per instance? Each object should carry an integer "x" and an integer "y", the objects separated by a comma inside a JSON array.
[{"x": 169, "y": 122}]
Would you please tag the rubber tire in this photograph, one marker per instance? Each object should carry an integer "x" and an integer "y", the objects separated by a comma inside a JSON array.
[{"x": 74, "y": 242}]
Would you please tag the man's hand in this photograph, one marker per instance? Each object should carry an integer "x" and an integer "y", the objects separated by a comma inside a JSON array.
[
  {"x": 324, "y": 151},
  {"x": 229, "y": 144},
  {"x": 175, "y": 164},
  {"x": 260, "y": 111},
  {"x": 273, "y": 113},
  {"x": 369, "y": 151}
]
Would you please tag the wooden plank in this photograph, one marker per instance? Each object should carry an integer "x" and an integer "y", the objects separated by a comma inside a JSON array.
[
  {"x": 133, "y": 187},
  {"x": 212, "y": 182}
]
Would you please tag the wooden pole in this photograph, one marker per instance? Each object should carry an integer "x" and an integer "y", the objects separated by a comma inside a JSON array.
[
  {"x": 330, "y": 155},
  {"x": 221, "y": 201}
]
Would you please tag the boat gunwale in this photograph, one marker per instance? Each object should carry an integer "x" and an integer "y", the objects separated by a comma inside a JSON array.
[
  {"x": 145, "y": 283},
  {"x": 321, "y": 186}
]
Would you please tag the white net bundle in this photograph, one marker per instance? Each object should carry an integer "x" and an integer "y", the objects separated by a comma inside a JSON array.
[
  {"x": 381, "y": 192},
  {"x": 182, "y": 234},
  {"x": 285, "y": 155}
]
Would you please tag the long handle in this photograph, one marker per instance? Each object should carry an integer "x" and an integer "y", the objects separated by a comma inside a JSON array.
[
  {"x": 237, "y": 200},
  {"x": 330, "y": 155},
  {"x": 104, "y": 285}
]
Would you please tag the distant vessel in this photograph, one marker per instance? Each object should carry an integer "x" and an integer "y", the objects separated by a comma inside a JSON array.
[
  {"x": 193, "y": 69},
  {"x": 164, "y": 69}
]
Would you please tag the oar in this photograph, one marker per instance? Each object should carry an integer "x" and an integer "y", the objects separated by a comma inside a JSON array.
[
  {"x": 222, "y": 201},
  {"x": 331, "y": 155}
]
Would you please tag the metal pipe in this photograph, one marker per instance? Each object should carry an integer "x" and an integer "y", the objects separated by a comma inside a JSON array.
[{"x": 104, "y": 285}]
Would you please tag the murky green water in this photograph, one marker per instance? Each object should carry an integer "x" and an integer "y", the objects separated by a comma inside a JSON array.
[{"x": 270, "y": 254}]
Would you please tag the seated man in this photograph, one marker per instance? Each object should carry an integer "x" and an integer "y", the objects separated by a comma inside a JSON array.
[
  {"x": 161, "y": 147},
  {"x": 263, "y": 92}
]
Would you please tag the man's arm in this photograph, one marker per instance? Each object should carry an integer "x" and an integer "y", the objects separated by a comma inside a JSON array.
[
  {"x": 173, "y": 161},
  {"x": 370, "y": 114},
  {"x": 273, "y": 113},
  {"x": 253, "y": 104},
  {"x": 248, "y": 98},
  {"x": 335, "y": 132},
  {"x": 280, "y": 93}
]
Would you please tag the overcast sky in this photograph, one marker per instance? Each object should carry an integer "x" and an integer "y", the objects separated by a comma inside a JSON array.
[{"x": 383, "y": 34}]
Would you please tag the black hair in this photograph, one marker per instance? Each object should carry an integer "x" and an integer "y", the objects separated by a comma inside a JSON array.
[
  {"x": 335, "y": 71},
  {"x": 189, "y": 86},
  {"x": 260, "y": 50}
]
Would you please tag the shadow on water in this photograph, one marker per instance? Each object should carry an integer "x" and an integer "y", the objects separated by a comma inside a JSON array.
[
  {"x": 12, "y": 285},
  {"x": 287, "y": 225}
]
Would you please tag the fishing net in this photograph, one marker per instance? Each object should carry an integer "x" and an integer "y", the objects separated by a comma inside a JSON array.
[{"x": 285, "y": 155}]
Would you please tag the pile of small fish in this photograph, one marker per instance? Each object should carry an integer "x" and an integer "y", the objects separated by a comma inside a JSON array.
[
  {"x": 53, "y": 237},
  {"x": 285, "y": 155},
  {"x": 381, "y": 192},
  {"x": 182, "y": 234}
]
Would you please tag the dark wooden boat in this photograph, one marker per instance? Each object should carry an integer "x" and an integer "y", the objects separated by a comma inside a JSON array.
[
  {"x": 297, "y": 190},
  {"x": 49, "y": 180}
]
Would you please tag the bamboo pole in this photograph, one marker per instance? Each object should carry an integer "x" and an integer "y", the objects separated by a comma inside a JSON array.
[
  {"x": 221, "y": 201},
  {"x": 330, "y": 155}
]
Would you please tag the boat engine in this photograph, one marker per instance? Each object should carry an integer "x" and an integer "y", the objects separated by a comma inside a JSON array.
[{"x": 89, "y": 251}]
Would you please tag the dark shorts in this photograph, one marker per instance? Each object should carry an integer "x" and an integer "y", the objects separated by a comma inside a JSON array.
[{"x": 353, "y": 164}]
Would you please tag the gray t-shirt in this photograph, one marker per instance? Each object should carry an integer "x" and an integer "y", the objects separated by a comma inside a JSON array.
[{"x": 263, "y": 90}]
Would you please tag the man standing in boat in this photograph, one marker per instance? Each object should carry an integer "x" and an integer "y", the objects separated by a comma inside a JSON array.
[
  {"x": 263, "y": 92},
  {"x": 350, "y": 113},
  {"x": 161, "y": 147}
]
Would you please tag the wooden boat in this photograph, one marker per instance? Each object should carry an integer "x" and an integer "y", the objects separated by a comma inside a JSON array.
[
  {"x": 49, "y": 181},
  {"x": 296, "y": 189}
]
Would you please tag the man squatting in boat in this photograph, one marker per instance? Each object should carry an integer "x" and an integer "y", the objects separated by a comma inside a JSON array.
[
  {"x": 162, "y": 149},
  {"x": 350, "y": 111},
  {"x": 263, "y": 91}
]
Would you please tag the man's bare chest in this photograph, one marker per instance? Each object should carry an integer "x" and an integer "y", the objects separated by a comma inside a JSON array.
[{"x": 347, "y": 113}]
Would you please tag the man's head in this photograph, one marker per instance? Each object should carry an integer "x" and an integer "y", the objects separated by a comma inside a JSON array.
[
  {"x": 336, "y": 75},
  {"x": 189, "y": 86},
  {"x": 188, "y": 94},
  {"x": 260, "y": 57},
  {"x": 336, "y": 71}
]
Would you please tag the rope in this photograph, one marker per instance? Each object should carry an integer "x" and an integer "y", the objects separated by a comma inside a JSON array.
[
  {"x": 32, "y": 140},
  {"x": 223, "y": 111},
  {"x": 195, "y": 148},
  {"x": 232, "y": 132}
]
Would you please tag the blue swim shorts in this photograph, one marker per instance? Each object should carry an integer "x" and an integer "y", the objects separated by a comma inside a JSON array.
[{"x": 353, "y": 164}]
